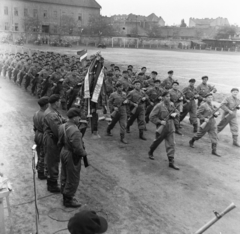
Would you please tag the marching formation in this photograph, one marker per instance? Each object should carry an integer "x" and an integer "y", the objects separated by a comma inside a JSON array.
[{"x": 85, "y": 87}]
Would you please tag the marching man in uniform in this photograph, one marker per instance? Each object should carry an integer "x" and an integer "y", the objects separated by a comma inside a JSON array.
[
  {"x": 230, "y": 105},
  {"x": 162, "y": 116},
  {"x": 207, "y": 114}
]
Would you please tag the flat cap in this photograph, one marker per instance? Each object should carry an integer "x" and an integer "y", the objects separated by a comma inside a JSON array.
[
  {"x": 118, "y": 84},
  {"x": 204, "y": 77},
  {"x": 136, "y": 81},
  {"x": 175, "y": 82},
  {"x": 54, "y": 98},
  {"x": 73, "y": 112},
  {"x": 154, "y": 72},
  {"x": 43, "y": 101},
  {"x": 170, "y": 72},
  {"x": 157, "y": 81},
  {"x": 165, "y": 93}
]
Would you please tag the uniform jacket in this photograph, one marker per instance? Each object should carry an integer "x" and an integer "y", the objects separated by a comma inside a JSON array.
[
  {"x": 135, "y": 97},
  {"x": 167, "y": 83},
  {"x": 154, "y": 93},
  {"x": 38, "y": 126},
  {"x": 116, "y": 99},
  {"x": 229, "y": 103},
  {"x": 205, "y": 111},
  {"x": 203, "y": 90}
]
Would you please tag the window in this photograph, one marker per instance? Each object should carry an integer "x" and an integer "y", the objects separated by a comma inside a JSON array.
[
  {"x": 80, "y": 16},
  {"x": 15, "y": 11},
  {"x": 55, "y": 29},
  {"x": 45, "y": 14},
  {"x": 16, "y": 27},
  {"x": 55, "y": 14},
  {"x": 5, "y": 10},
  {"x": 35, "y": 13},
  {"x": 6, "y": 26},
  {"x": 25, "y": 12}
]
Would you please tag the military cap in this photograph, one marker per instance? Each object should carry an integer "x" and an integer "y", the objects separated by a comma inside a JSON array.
[
  {"x": 113, "y": 65},
  {"x": 136, "y": 81},
  {"x": 43, "y": 101},
  {"x": 235, "y": 89},
  {"x": 73, "y": 112},
  {"x": 110, "y": 74},
  {"x": 117, "y": 69},
  {"x": 170, "y": 72},
  {"x": 154, "y": 72},
  {"x": 143, "y": 68},
  {"x": 116, "y": 66},
  {"x": 130, "y": 66},
  {"x": 192, "y": 80},
  {"x": 129, "y": 69},
  {"x": 209, "y": 94},
  {"x": 157, "y": 81},
  {"x": 140, "y": 74},
  {"x": 175, "y": 82},
  {"x": 165, "y": 93},
  {"x": 119, "y": 84},
  {"x": 125, "y": 72},
  {"x": 204, "y": 77},
  {"x": 54, "y": 98}
]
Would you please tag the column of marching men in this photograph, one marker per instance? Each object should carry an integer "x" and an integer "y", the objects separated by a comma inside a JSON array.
[{"x": 58, "y": 81}]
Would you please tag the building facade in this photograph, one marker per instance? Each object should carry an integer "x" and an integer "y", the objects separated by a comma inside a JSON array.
[
  {"x": 45, "y": 16},
  {"x": 206, "y": 23}
]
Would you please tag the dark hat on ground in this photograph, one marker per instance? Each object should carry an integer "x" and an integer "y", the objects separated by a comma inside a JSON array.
[
  {"x": 209, "y": 94},
  {"x": 157, "y": 81},
  {"x": 192, "y": 80},
  {"x": 175, "y": 82},
  {"x": 73, "y": 112},
  {"x": 43, "y": 101},
  {"x": 204, "y": 77},
  {"x": 118, "y": 84},
  {"x": 87, "y": 222},
  {"x": 235, "y": 89},
  {"x": 170, "y": 72},
  {"x": 136, "y": 81},
  {"x": 154, "y": 72},
  {"x": 54, "y": 98},
  {"x": 165, "y": 93}
]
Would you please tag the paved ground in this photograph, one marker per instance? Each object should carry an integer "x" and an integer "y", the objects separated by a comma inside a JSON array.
[{"x": 135, "y": 194}]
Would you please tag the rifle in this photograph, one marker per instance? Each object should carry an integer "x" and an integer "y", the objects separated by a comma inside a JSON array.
[
  {"x": 72, "y": 94},
  {"x": 161, "y": 127},
  {"x": 233, "y": 109},
  {"x": 113, "y": 114},
  {"x": 203, "y": 125},
  {"x": 135, "y": 107}
]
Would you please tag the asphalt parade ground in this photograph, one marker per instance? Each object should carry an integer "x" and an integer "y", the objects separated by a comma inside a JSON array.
[{"x": 136, "y": 195}]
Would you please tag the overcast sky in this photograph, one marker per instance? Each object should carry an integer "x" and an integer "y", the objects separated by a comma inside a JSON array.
[{"x": 172, "y": 11}]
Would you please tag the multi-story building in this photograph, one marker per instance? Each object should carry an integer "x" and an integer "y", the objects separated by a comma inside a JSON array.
[
  {"x": 48, "y": 15},
  {"x": 206, "y": 23}
]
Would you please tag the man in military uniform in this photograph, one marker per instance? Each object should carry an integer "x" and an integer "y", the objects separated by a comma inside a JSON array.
[
  {"x": 72, "y": 151},
  {"x": 162, "y": 116},
  {"x": 150, "y": 82},
  {"x": 190, "y": 106},
  {"x": 31, "y": 74},
  {"x": 206, "y": 114},
  {"x": 52, "y": 121},
  {"x": 137, "y": 99},
  {"x": 167, "y": 83},
  {"x": 204, "y": 89},
  {"x": 38, "y": 129},
  {"x": 117, "y": 106},
  {"x": 230, "y": 105},
  {"x": 177, "y": 98},
  {"x": 126, "y": 82},
  {"x": 155, "y": 96},
  {"x": 109, "y": 84}
]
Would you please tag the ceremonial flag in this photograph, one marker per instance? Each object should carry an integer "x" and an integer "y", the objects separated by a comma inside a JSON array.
[
  {"x": 83, "y": 54},
  {"x": 86, "y": 86},
  {"x": 98, "y": 87}
]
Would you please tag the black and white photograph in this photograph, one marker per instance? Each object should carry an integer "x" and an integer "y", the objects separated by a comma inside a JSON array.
[{"x": 119, "y": 117}]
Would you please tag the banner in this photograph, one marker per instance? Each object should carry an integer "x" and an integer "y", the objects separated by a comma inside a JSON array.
[
  {"x": 83, "y": 54},
  {"x": 86, "y": 86},
  {"x": 98, "y": 87}
]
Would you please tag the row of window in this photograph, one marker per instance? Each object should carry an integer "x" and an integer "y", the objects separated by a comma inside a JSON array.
[
  {"x": 15, "y": 26},
  {"x": 35, "y": 13}
]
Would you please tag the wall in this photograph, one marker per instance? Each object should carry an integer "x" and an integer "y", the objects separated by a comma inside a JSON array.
[{"x": 69, "y": 10}]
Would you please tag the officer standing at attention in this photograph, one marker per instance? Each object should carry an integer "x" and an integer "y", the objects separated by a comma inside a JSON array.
[{"x": 72, "y": 151}]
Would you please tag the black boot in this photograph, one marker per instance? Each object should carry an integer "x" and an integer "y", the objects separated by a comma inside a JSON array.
[
  {"x": 214, "y": 150},
  {"x": 53, "y": 186},
  {"x": 71, "y": 202},
  {"x": 195, "y": 128},
  {"x": 41, "y": 176},
  {"x": 191, "y": 142},
  {"x": 122, "y": 139},
  {"x": 172, "y": 165},
  {"x": 109, "y": 131},
  {"x": 141, "y": 135},
  {"x": 150, "y": 154},
  {"x": 128, "y": 129},
  {"x": 177, "y": 131}
]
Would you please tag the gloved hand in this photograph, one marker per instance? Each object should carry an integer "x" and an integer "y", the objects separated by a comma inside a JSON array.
[
  {"x": 125, "y": 102},
  {"x": 143, "y": 99},
  {"x": 173, "y": 115}
]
